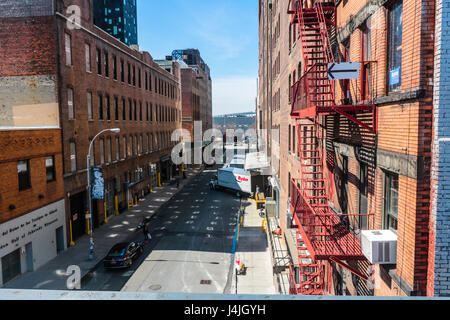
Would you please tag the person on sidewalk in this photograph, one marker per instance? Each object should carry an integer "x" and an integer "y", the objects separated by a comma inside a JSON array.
[
  {"x": 147, "y": 235},
  {"x": 277, "y": 232}
]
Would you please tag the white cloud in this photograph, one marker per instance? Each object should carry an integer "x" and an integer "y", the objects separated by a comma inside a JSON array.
[{"x": 233, "y": 95}]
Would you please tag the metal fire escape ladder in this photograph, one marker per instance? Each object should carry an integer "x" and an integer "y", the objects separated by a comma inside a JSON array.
[{"x": 321, "y": 235}]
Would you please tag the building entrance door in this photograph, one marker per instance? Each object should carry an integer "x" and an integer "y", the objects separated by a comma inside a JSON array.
[
  {"x": 77, "y": 215},
  {"x": 11, "y": 266}
]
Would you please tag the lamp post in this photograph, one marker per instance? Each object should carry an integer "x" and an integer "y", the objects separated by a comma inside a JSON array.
[{"x": 91, "y": 240}]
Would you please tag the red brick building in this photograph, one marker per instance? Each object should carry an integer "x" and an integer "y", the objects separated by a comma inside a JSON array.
[
  {"x": 354, "y": 154},
  {"x": 32, "y": 215},
  {"x": 97, "y": 83}
]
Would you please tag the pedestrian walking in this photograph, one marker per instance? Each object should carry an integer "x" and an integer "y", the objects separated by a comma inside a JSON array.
[{"x": 147, "y": 235}]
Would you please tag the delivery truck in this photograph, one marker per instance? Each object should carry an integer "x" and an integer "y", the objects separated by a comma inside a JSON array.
[{"x": 234, "y": 179}]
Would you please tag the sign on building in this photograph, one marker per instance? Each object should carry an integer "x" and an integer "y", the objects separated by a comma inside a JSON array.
[
  {"x": 343, "y": 70},
  {"x": 98, "y": 184}
]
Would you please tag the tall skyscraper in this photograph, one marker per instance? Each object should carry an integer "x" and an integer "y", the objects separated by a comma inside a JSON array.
[{"x": 118, "y": 18}]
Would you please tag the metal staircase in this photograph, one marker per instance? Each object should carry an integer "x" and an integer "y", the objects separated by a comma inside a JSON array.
[{"x": 321, "y": 235}]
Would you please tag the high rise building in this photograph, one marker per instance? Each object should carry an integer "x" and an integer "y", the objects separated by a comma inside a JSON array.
[{"x": 118, "y": 18}]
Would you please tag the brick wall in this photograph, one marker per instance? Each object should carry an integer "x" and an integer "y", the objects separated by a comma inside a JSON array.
[
  {"x": 28, "y": 8},
  {"x": 35, "y": 146},
  {"x": 81, "y": 129},
  {"x": 31, "y": 53},
  {"x": 439, "y": 257}
]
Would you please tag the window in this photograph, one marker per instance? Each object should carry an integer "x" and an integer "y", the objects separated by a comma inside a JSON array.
[
  {"x": 149, "y": 81},
  {"x": 139, "y": 78},
  {"x": 140, "y": 110},
  {"x": 89, "y": 106},
  {"x": 99, "y": 61},
  {"x": 363, "y": 192},
  {"x": 130, "y": 146},
  {"x": 134, "y": 75},
  {"x": 50, "y": 168},
  {"x": 68, "y": 47},
  {"x": 146, "y": 81},
  {"x": 100, "y": 107},
  {"x": 293, "y": 138},
  {"x": 109, "y": 149},
  {"x": 141, "y": 145},
  {"x": 115, "y": 67},
  {"x": 135, "y": 110},
  {"x": 73, "y": 157},
  {"x": 135, "y": 145},
  {"x": 117, "y": 148},
  {"x": 130, "y": 110},
  {"x": 289, "y": 143},
  {"x": 70, "y": 104},
  {"x": 23, "y": 171},
  {"x": 116, "y": 108},
  {"x": 102, "y": 151},
  {"x": 87, "y": 49},
  {"x": 108, "y": 108},
  {"x": 289, "y": 88},
  {"x": 150, "y": 147},
  {"x": 344, "y": 185},
  {"x": 395, "y": 46},
  {"x": 366, "y": 52},
  {"x": 151, "y": 112},
  {"x": 106, "y": 64},
  {"x": 122, "y": 71},
  {"x": 129, "y": 73},
  {"x": 390, "y": 215},
  {"x": 346, "y": 82},
  {"x": 124, "y": 112},
  {"x": 125, "y": 149}
]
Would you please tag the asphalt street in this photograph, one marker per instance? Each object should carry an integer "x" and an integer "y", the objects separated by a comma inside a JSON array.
[{"x": 190, "y": 250}]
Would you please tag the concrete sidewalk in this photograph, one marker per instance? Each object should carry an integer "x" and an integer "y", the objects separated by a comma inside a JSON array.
[
  {"x": 52, "y": 276},
  {"x": 253, "y": 250}
]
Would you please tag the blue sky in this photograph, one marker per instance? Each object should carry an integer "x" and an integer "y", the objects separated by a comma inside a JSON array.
[{"x": 225, "y": 32}]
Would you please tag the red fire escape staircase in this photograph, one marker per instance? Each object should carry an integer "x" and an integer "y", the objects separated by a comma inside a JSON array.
[
  {"x": 313, "y": 94},
  {"x": 321, "y": 235}
]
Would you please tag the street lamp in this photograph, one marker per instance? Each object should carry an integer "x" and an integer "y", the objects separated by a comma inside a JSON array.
[{"x": 91, "y": 240}]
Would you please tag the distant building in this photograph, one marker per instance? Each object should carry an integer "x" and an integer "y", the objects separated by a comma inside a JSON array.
[
  {"x": 118, "y": 18},
  {"x": 196, "y": 88}
]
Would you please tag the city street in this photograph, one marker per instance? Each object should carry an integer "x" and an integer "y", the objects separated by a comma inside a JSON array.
[{"x": 190, "y": 249}]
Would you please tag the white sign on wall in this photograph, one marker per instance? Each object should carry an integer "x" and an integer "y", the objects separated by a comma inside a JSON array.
[{"x": 31, "y": 227}]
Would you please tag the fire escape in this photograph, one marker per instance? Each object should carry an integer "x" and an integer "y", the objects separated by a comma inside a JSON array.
[{"x": 322, "y": 236}]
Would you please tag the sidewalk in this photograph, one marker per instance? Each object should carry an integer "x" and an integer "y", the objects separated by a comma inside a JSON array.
[
  {"x": 253, "y": 250},
  {"x": 280, "y": 257},
  {"x": 52, "y": 276}
]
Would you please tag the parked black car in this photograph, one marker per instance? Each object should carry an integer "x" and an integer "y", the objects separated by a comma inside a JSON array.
[{"x": 122, "y": 255}]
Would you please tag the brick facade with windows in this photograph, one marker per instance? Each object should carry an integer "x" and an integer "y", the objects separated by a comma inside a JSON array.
[
  {"x": 402, "y": 145},
  {"x": 129, "y": 90},
  {"x": 146, "y": 106}
]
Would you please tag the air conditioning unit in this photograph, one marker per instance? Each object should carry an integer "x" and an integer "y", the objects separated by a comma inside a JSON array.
[{"x": 379, "y": 246}]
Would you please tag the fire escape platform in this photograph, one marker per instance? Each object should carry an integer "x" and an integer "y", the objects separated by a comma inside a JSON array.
[
  {"x": 310, "y": 112},
  {"x": 324, "y": 233}
]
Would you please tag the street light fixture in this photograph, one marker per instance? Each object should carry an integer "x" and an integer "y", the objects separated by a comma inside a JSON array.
[{"x": 91, "y": 240}]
